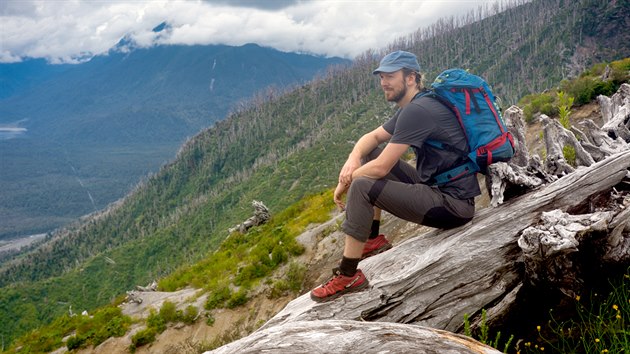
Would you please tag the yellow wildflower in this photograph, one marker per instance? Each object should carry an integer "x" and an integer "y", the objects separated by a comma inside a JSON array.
[
  {"x": 615, "y": 307},
  {"x": 596, "y": 340},
  {"x": 618, "y": 316},
  {"x": 577, "y": 297},
  {"x": 538, "y": 328}
]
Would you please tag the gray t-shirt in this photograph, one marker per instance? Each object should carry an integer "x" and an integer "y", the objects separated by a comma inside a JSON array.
[{"x": 426, "y": 118}]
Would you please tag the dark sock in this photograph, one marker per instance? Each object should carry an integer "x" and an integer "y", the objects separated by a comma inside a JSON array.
[
  {"x": 348, "y": 266},
  {"x": 375, "y": 229}
]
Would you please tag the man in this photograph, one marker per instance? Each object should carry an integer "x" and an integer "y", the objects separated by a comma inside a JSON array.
[{"x": 376, "y": 179}]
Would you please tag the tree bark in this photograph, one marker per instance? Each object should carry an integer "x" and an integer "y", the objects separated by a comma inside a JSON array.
[{"x": 342, "y": 336}]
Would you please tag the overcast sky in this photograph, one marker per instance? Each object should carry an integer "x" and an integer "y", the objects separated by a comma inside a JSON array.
[{"x": 64, "y": 30}]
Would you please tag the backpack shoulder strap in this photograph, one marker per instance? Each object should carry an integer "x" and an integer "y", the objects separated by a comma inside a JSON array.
[{"x": 435, "y": 143}]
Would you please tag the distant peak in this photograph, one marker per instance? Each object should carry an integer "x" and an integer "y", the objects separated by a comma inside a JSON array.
[
  {"x": 128, "y": 43},
  {"x": 162, "y": 26}
]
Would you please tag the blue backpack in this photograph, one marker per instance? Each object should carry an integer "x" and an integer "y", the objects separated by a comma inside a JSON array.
[{"x": 473, "y": 103}]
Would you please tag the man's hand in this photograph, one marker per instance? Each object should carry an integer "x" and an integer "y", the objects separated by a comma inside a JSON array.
[
  {"x": 341, "y": 189},
  {"x": 345, "y": 175}
]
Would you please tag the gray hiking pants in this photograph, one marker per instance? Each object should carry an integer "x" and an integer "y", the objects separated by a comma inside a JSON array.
[{"x": 400, "y": 193}]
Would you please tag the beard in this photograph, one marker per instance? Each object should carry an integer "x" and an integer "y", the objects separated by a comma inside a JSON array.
[{"x": 396, "y": 95}]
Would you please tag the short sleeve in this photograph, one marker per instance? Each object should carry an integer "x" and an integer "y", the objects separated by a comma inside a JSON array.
[{"x": 390, "y": 125}]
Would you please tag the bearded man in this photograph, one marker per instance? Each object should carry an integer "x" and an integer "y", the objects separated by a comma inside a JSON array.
[{"x": 374, "y": 179}]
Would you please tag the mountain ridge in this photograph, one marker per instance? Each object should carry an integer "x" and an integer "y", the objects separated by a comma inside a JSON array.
[
  {"x": 286, "y": 146},
  {"x": 91, "y": 131}
]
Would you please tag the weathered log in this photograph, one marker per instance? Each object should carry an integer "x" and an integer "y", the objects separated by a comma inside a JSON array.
[
  {"x": 556, "y": 138},
  {"x": 133, "y": 296},
  {"x": 616, "y": 113},
  {"x": 590, "y": 144},
  {"x": 150, "y": 287},
  {"x": 548, "y": 248},
  {"x": 515, "y": 124},
  {"x": 261, "y": 216},
  {"x": 436, "y": 278},
  {"x": 502, "y": 173},
  {"x": 342, "y": 336}
]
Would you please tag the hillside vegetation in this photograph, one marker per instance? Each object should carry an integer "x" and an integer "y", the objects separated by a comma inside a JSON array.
[
  {"x": 277, "y": 148},
  {"x": 93, "y": 130}
]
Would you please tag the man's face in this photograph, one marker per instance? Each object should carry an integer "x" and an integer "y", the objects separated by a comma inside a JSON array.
[{"x": 393, "y": 85}]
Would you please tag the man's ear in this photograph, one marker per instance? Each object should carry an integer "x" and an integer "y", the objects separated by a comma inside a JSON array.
[{"x": 410, "y": 80}]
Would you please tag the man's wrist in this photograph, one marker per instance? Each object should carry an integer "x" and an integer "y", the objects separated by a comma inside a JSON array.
[{"x": 354, "y": 155}]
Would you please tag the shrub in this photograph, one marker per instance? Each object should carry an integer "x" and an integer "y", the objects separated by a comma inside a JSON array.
[
  {"x": 190, "y": 315},
  {"x": 565, "y": 102},
  {"x": 538, "y": 102},
  {"x": 582, "y": 89},
  {"x": 295, "y": 276},
  {"x": 156, "y": 322},
  {"x": 75, "y": 342},
  {"x": 143, "y": 337},
  {"x": 606, "y": 88},
  {"x": 237, "y": 299},
  {"x": 278, "y": 289},
  {"x": 569, "y": 155},
  {"x": 278, "y": 255},
  {"x": 217, "y": 298},
  {"x": 209, "y": 319},
  {"x": 168, "y": 312}
]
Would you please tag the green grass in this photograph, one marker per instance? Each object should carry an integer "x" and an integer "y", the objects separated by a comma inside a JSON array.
[
  {"x": 243, "y": 259},
  {"x": 83, "y": 331},
  {"x": 596, "y": 324},
  {"x": 601, "y": 324},
  {"x": 578, "y": 91}
]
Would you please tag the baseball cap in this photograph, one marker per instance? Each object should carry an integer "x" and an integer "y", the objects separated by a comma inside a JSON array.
[{"x": 397, "y": 60}]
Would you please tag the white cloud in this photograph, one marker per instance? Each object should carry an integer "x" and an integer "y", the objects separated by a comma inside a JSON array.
[{"x": 68, "y": 30}]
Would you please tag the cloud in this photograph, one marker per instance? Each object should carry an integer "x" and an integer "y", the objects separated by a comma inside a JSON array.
[
  {"x": 75, "y": 30},
  {"x": 258, "y": 4}
]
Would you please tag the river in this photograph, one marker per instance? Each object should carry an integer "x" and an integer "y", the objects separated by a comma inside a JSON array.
[{"x": 16, "y": 244}]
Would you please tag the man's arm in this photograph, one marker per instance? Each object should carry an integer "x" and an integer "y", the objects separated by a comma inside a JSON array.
[
  {"x": 381, "y": 166},
  {"x": 362, "y": 148}
]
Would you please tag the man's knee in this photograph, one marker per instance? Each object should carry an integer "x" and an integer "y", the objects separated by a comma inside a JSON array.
[
  {"x": 367, "y": 189},
  {"x": 361, "y": 185}
]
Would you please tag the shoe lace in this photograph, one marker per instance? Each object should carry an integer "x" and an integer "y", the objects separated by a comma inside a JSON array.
[{"x": 336, "y": 272}]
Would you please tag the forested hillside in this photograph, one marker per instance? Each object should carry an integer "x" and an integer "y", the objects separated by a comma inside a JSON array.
[
  {"x": 279, "y": 148},
  {"x": 91, "y": 131}
]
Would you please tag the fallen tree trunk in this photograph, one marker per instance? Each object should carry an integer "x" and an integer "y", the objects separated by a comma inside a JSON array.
[
  {"x": 340, "y": 336},
  {"x": 435, "y": 279}
]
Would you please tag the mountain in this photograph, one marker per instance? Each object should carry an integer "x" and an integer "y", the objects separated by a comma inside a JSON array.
[
  {"x": 278, "y": 150},
  {"x": 91, "y": 131}
]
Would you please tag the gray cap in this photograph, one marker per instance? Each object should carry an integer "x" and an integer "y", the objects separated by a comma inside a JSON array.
[{"x": 397, "y": 60}]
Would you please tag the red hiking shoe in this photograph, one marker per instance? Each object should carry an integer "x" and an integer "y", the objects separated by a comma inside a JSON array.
[
  {"x": 338, "y": 285},
  {"x": 375, "y": 246}
]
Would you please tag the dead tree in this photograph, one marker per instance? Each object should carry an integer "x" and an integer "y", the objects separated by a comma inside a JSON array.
[
  {"x": 343, "y": 336},
  {"x": 261, "y": 216},
  {"x": 434, "y": 279}
]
